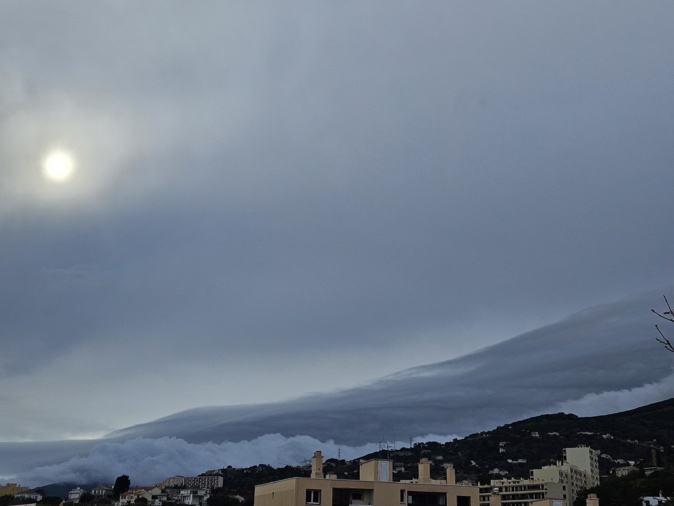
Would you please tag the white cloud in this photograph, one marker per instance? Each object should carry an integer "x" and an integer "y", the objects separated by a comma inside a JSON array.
[
  {"x": 614, "y": 401},
  {"x": 149, "y": 461}
]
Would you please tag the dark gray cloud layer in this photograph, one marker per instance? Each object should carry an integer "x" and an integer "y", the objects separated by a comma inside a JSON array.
[
  {"x": 272, "y": 201},
  {"x": 594, "y": 362}
]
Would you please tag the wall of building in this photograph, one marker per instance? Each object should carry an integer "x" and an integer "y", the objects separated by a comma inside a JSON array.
[
  {"x": 292, "y": 492},
  {"x": 12, "y": 489},
  {"x": 587, "y": 460}
]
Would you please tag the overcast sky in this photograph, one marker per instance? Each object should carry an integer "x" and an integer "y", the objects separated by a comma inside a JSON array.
[{"x": 274, "y": 199}]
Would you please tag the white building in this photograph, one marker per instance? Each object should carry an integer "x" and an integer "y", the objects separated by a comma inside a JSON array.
[{"x": 193, "y": 497}]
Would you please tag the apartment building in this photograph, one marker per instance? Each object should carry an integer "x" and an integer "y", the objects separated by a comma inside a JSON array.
[
  {"x": 375, "y": 487},
  {"x": 522, "y": 492},
  {"x": 12, "y": 489},
  {"x": 587, "y": 460},
  {"x": 569, "y": 477},
  {"x": 558, "y": 484},
  {"x": 207, "y": 481}
]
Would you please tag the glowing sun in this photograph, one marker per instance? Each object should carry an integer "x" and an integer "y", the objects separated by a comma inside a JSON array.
[{"x": 58, "y": 166}]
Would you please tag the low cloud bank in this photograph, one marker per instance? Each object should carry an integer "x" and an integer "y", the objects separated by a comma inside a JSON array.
[
  {"x": 619, "y": 400},
  {"x": 149, "y": 461}
]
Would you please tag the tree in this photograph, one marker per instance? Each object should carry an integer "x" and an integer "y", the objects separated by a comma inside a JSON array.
[
  {"x": 52, "y": 500},
  {"x": 122, "y": 484},
  {"x": 222, "y": 500},
  {"x": 86, "y": 498},
  {"x": 669, "y": 316}
]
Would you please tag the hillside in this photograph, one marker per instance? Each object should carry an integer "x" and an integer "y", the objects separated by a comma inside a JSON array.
[
  {"x": 631, "y": 435},
  {"x": 627, "y": 435}
]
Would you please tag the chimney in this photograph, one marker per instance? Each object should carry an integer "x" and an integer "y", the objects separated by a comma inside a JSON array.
[
  {"x": 495, "y": 497},
  {"x": 451, "y": 475},
  {"x": 655, "y": 457},
  {"x": 317, "y": 465},
  {"x": 424, "y": 471},
  {"x": 592, "y": 500}
]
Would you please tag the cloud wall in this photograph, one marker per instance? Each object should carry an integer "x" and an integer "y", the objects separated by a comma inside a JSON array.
[{"x": 149, "y": 461}]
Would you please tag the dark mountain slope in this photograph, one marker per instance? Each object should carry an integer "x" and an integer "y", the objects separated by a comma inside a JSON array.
[{"x": 514, "y": 449}]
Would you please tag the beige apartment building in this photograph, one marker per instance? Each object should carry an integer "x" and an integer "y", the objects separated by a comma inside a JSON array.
[
  {"x": 375, "y": 487},
  {"x": 520, "y": 492},
  {"x": 12, "y": 489},
  {"x": 559, "y": 484},
  {"x": 567, "y": 476},
  {"x": 587, "y": 460}
]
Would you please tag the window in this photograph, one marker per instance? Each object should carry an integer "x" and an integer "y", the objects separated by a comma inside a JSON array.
[
  {"x": 463, "y": 500},
  {"x": 356, "y": 496},
  {"x": 313, "y": 497},
  {"x": 402, "y": 496}
]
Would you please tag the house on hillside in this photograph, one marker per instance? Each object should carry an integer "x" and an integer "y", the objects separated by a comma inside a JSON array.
[
  {"x": 193, "y": 496},
  {"x": 33, "y": 496},
  {"x": 103, "y": 491},
  {"x": 75, "y": 494},
  {"x": 654, "y": 500},
  {"x": 150, "y": 494},
  {"x": 12, "y": 489}
]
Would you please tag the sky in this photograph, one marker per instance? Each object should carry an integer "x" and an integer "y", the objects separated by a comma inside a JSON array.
[
  {"x": 597, "y": 361},
  {"x": 257, "y": 201}
]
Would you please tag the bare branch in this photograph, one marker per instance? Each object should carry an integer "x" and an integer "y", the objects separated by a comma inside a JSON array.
[
  {"x": 662, "y": 339},
  {"x": 670, "y": 312}
]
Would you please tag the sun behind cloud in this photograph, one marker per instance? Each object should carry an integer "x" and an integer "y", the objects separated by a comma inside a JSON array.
[{"x": 58, "y": 166}]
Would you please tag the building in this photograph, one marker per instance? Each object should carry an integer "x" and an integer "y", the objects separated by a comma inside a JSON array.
[
  {"x": 209, "y": 481},
  {"x": 103, "y": 491},
  {"x": 579, "y": 471},
  {"x": 569, "y": 477},
  {"x": 520, "y": 492},
  {"x": 33, "y": 496},
  {"x": 150, "y": 494},
  {"x": 557, "y": 485},
  {"x": 587, "y": 460},
  {"x": 173, "y": 482},
  {"x": 75, "y": 494},
  {"x": 496, "y": 499},
  {"x": 193, "y": 497},
  {"x": 375, "y": 487},
  {"x": 625, "y": 470},
  {"x": 12, "y": 489},
  {"x": 654, "y": 501}
]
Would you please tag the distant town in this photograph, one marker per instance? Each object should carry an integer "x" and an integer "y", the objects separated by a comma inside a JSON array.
[
  {"x": 621, "y": 459},
  {"x": 573, "y": 481}
]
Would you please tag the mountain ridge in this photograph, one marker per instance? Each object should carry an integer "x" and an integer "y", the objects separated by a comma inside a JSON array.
[{"x": 511, "y": 450}]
